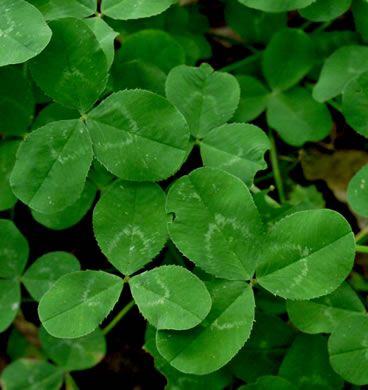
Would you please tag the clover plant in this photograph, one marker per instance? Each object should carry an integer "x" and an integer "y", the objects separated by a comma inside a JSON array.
[{"x": 123, "y": 114}]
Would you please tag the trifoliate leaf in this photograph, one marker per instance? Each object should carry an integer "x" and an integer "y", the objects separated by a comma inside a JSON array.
[
  {"x": 73, "y": 68},
  {"x": 57, "y": 9},
  {"x": 214, "y": 342},
  {"x": 171, "y": 297},
  {"x": 9, "y": 302},
  {"x": 138, "y": 135},
  {"x": 24, "y": 32},
  {"x": 199, "y": 95},
  {"x": 236, "y": 148},
  {"x": 216, "y": 224},
  {"x": 78, "y": 302},
  {"x": 129, "y": 222},
  {"x": 41, "y": 176},
  {"x": 322, "y": 315},
  {"x": 54, "y": 112},
  {"x": 46, "y": 270},
  {"x": 297, "y": 117},
  {"x": 308, "y": 254},
  {"x": 74, "y": 354}
]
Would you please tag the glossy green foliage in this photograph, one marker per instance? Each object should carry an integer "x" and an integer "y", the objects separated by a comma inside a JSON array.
[
  {"x": 307, "y": 365},
  {"x": 57, "y": 9},
  {"x": 154, "y": 47},
  {"x": 14, "y": 250},
  {"x": 74, "y": 354},
  {"x": 88, "y": 297},
  {"x": 171, "y": 297},
  {"x": 276, "y": 5},
  {"x": 46, "y": 270},
  {"x": 297, "y": 117},
  {"x": 334, "y": 77},
  {"x": 9, "y": 302},
  {"x": 24, "y": 32},
  {"x": 54, "y": 112},
  {"x": 132, "y": 237},
  {"x": 29, "y": 374},
  {"x": 8, "y": 150},
  {"x": 72, "y": 214},
  {"x": 73, "y": 68},
  {"x": 288, "y": 58},
  {"x": 322, "y": 315},
  {"x": 122, "y": 9},
  {"x": 41, "y": 176},
  {"x": 198, "y": 94},
  {"x": 135, "y": 120},
  {"x": 325, "y": 10},
  {"x": 355, "y": 104},
  {"x": 298, "y": 259},
  {"x": 217, "y": 232},
  {"x": 360, "y": 13},
  {"x": 357, "y": 192},
  {"x": 16, "y": 103},
  {"x": 222, "y": 334},
  {"x": 348, "y": 349},
  {"x": 236, "y": 148}
]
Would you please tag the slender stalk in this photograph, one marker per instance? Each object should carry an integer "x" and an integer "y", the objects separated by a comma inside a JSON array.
[
  {"x": 305, "y": 25},
  {"x": 362, "y": 236},
  {"x": 71, "y": 381},
  {"x": 276, "y": 169},
  {"x": 361, "y": 248},
  {"x": 335, "y": 105},
  {"x": 323, "y": 26},
  {"x": 238, "y": 64},
  {"x": 118, "y": 317},
  {"x": 174, "y": 252},
  {"x": 233, "y": 41}
]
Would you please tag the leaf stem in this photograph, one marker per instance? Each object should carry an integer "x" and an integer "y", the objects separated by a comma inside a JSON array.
[
  {"x": 71, "y": 381},
  {"x": 276, "y": 169},
  {"x": 239, "y": 64},
  {"x": 361, "y": 248},
  {"x": 323, "y": 26},
  {"x": 362, "y": 236},
  {"x": 335, "y": 105},
  {"x": 174, "y": 252},
  {"x": 118, "y": 317}
]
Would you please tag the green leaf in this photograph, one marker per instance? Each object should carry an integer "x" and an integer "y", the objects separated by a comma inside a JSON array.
[
  {"x": 217, "y": 380},
  {"x": 71, "y": 215},
  {"x": 339, "y": 69},
  {"x": 78, "y": 302},
  {"x": 214, "y": 342},
  {"x": 269, "y": 383},
  {"x": 276, "y": 5},
  {"x": 262, "y": 353},
  {"x": 14, "y": 250},
  {"x": 24, "y": 32},
  {"x": 29, "y": 374},
  {"x": 325, "y": 10},
  {"x": 9, "y": 302},
  {"x": 171, "y": 297},
  {"x": 357, "y": 192},
  {"x": 288, "y": 58},
  {"x": 105, "y": 36},
  {"x": 322, "y": 315},
  {"x": 54, "y": 112},
  {"x": 73, "y": 68},
  {"x": 41, "y": 176},
  {"x": 132, "y": 237},
  {"x": 348, "y": 349},
  {"x": 308, "y": 254},
  {"x": 253, "y": 99},
  {"x": 360, "y": 14},
  {"x": 216, "y": 223},
  {"x": 306, "y": 365},
  {"x": 355, "y": 104},
  {"x": 46, "y": 270},
  {"x": 123, "y": 9},
  {"x": 154, "y": 47},
  {"x": 141, "y": 75},
  {"x": 138, "y": 135},
  {"x": 57, "y": 9},
  {"x": 18, "y": 347},
  {"x": 76, "y": 354},
  {"x": 253, "y": 25},
  {"x": 8, "y": 150},
  {"x": 199, "y": 95},
  {"x": 237, "y": 149},
  {"x": 297, "y": 117},
  {"x": 16, "y": 101}
]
